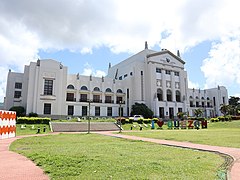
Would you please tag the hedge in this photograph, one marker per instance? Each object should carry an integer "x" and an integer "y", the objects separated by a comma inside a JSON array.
[{"x": 33, "y": 120}]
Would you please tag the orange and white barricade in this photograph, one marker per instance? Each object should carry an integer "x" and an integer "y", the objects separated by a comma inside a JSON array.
[{"x": 7, "y": 124}]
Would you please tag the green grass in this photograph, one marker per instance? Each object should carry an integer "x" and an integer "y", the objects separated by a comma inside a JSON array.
[
  {"x": 219, "y": 133},
  {"x": 92, "y": 156},
  {"x": 30, "y": 130}
]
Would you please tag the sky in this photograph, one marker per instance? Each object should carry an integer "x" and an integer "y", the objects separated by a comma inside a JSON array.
[{"x": 87, "y": 35}]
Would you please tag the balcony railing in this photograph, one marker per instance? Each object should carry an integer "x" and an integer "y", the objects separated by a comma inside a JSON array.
[
  {"x": 83, "y": 100},
  {"x": 109, "y": 101},
  {"x": 97, "y": 100},
  {"x": 71, "y": 99}
]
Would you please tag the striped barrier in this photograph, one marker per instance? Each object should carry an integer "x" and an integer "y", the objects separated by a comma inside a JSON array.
[{"x": 7, "y": 124}]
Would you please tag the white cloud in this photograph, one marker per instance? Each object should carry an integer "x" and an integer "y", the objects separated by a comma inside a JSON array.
[
  {"x": 193, "y": 85},
  {"x": 80, "y": 25},
  {"x": 89, "y": 70},
  {"x": 223, "y": 64}
]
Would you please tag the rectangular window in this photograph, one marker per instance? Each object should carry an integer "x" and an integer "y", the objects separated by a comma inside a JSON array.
[
  {"x": 48, "y": 87},
  {"x": 84, "y": 110},
  {"x": 223, "y": 100},
  {"x": 168, "y": 72},
  {"x": 176, "y": 73},
  {"x": 83, "y": 97},
  {"x": 108, "y": 99},
  {"x": 97, "y": 111},
  {"x": 70, "y": 110},
  {"x": 18, "y": 85},
  {"x": 158, "y": 70},
  {"x": 70, "y": 97},
  {"x": 214, "y": 101},
  {"x": 109, "y": 111},
  {"x": 96, "y": 98},
  {"x": 119, "y": 99},
  {"x": 120, "y": 78},
  {"x": 47, "y": 108},
  {"x": 179, "y": 109},
  {"x": 17, "y": 94}
]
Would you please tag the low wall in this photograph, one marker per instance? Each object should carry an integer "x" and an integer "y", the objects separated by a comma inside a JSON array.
[{"x": 7, "y": 124}]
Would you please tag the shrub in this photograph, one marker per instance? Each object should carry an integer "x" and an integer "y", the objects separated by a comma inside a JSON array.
[
  {"x": 20, "y": 111},
  {"x": 32, "y": 114},
  {"x": 140, "y": 121},
  {"x": 33, "y": 120},
  {"x": 214, "y": 119}
]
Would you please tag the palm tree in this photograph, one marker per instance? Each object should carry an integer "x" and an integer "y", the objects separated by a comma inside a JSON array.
[
  {"x": 225, "y": 109},
  {"x": 198, "y": 112}
]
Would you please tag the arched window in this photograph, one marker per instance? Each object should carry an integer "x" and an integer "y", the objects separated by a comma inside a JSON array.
[
  {"x": 119, "y": 91},
  {"x": 169, "y": 95},
  {"x": 84, "y": 88},
  {"x": 96, "y": 89},
  {"x": 202, "y": 98},
  {"x": 197, "y": 97},
  {"x": 208, "y": 98},
  {"x": 70, "y": 86},
  {"x": 159, "y": 94},
  {"x": 178, "y": 96},
  {"x": 190, "y": 97},
  {"x": 108, "y": 90}
]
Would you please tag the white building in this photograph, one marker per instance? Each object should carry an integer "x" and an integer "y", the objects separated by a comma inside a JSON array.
[{"x": 157, "y": 79}]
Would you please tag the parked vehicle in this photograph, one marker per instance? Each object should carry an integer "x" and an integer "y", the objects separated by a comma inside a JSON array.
[{"x": 136, "y": 117}]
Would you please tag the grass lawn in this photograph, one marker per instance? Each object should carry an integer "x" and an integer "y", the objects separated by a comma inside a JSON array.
[
  {"x": 31, "y": 129},
  {"x": 218, "y": 133},
  {"x": 92, "y": 156}
]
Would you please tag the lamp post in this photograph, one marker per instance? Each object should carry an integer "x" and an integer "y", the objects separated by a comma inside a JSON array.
[
  {"x": 120, "y": 110},
  {"x": 89, "y": 106}
]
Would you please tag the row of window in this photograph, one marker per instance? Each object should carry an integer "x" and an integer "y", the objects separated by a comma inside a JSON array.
[
  {"x": 190, "y": 97},
  {"x": 158, "y": 70},
  {"x": 200, "y": 104},
  {"x": 47, "y": 110},
  {"x": 84, "y": 88},
  {"x": 125, "y": 75},
  {"x": 169, "y": 95},
  {"x": 96, "y": 98}
]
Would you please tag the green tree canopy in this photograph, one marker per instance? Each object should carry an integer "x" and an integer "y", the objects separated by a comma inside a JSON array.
[
  {"x": 198, "y": 112},
  {"x": 141, "y": 109},
  {"x": 20, "y": 111}
]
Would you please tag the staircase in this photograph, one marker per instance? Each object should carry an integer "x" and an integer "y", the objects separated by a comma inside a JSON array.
[{"x": 83, "y": 126}]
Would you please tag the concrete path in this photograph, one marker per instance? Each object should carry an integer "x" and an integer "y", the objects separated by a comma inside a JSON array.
[
  {"x": 233, "y": 171},
  {"x": 14, "y": 166}
]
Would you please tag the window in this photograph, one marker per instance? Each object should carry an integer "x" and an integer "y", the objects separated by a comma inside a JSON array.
[
  {"x": 47, "y": 108},
  {"x": 70, "y": 110},
  {"x": 120, "y": 78},
  {"x": 158, "y": 70},
  {"x": 70, "y": 86},
  {"x": 179, "y": 109},
  {"x": 178, "y": 96},
  {"x": 97, "y": 111},
  {"x": 176, "y": 73},
  {"x": 70, "y": 97},
  {"x": 131, "y": 73},
  {"x": 159, "y": 95},
  {"x": 168, "y": 72},
  {"x": 223, "y": 100},
  {"x": 108, "y": 90},
  {"x": 18, "y": 85},
  {"x": 191, "y": 104},
  {"x": 84, "y": 110},
  {"x": 96, "y": 98},
  {"x": 203, "y": 104},
  {"x": 197, "y": 104},
  {"x": 48, "y": 87},
  {"x": 96, "y": 89},
  {"x": 125, "y": 75},
  {"x": 84, "y": 88},
  {"x": 17, "y": 94},
  {"x": 214, "y": 101},
  {"x": 169, "y": 95},
  {"x": 119, "y": 100},
  {"x": 83, "y": 97},
  {"x": 109, "y": 111},
  {"x": 119, "y": 91},
  {"x": 108, "y": 99}
]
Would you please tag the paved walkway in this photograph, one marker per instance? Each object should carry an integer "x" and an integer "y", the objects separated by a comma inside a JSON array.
[
  {"x": 14, "y": 166},
  {"x": 234, "y": 170}
]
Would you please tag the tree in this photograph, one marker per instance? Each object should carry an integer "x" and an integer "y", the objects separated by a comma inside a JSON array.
[
  {"x": 141, "y": 109},
  {"x": 20, "y": 111},
  {"x": 235, "y": 105},
  {"x": 198, "y": 112},
  {"x": 225, "y": 109}
]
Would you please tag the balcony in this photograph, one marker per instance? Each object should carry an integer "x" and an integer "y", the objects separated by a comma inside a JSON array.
[
  {"x": 71, "y": 99},
  {"x": 120, "y": 102},
  {"x": 97, "y": 101},
  {"x": 83, "y": 100},
  {"x": 109, "y": 101}
]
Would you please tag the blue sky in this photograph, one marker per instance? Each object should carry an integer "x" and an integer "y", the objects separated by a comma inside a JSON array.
[{"x": 86, "y": 35}]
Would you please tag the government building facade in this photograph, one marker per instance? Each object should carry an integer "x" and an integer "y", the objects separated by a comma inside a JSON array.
[{"x": 157, "y": 79}]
